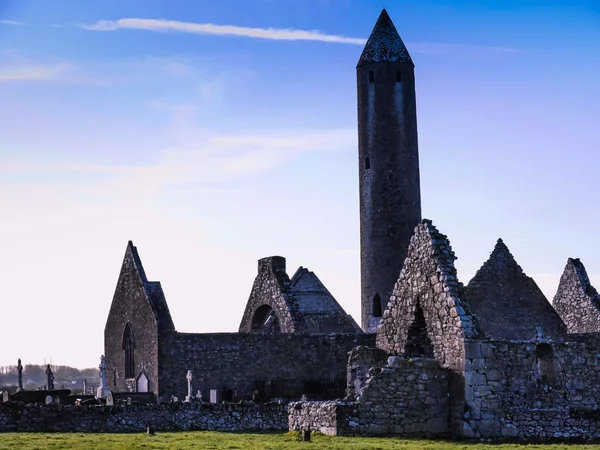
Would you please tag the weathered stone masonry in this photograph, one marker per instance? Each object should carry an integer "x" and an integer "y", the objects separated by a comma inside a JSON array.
[
  {"x": 576, "y": 301},
  {"x": 281, "y": 359},
  {"x": 165, "y": 417}
]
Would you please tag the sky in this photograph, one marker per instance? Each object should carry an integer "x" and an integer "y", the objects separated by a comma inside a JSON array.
[{"x": 212, "y": 134}]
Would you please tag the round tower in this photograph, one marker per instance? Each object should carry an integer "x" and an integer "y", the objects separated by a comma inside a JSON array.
[{"x": 390, "y": 197}]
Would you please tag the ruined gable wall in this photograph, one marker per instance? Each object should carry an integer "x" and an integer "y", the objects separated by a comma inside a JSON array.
[
  {"x": 130, "y": 304},
  {"x": 272, "y": 287},
  {"x": 428, "y": 279},
  {"x": 428, "y": 285},
  {"x": 511, "y": 392},
  {"x": 507, "y": 303},
  {"x": 237, "y": 360},
  {"x": 576, "y": 300}
]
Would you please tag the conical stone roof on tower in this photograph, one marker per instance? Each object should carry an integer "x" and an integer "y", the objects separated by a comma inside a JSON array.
[{"x": 384, "y": 44}]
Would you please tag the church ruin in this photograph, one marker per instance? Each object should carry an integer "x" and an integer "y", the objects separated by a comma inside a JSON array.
[{"x": 492, "y": 359}]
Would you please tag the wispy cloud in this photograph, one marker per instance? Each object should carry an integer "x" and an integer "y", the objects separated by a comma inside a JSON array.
[
  {"x": 32, "y": 72},
  {"x": 278, "y": 34},
  {"x": 11, "y": 22},
  {"x": 220, "y": 158}
]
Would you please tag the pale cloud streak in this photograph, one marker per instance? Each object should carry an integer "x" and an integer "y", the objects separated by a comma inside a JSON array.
[
  {"x": 219, "y": 159},
  {"x": 277, "y": 34},
  {"x": 32, "y": 72},
  {"x": 11, "y": 22}
]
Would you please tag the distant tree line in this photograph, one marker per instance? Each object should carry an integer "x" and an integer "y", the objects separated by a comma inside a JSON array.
[{"x": 34, "y": 376}]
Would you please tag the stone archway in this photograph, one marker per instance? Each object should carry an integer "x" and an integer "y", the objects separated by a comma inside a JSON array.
[{"x": 265, "y": 320}]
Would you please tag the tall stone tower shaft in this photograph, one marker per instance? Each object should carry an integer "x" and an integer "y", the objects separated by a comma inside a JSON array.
[{"x": 390, "y": 197}]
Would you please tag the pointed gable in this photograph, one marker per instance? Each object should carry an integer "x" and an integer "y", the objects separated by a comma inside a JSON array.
[
  {"x": 152, "y": 289},
  {"x": 322, "y": 313},
  {"x": 507, "y": 303},
  {"x": 384, "y": 44},
  {"x": 576, "y": 301},
  {"x": 426, "y": 314}
]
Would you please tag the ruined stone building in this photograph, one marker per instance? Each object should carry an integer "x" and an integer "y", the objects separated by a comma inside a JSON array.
[{"x": 434, "y": 357}]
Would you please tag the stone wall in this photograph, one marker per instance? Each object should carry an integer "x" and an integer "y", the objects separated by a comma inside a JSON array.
[
  {"x": 407, "y": 397},
  {"x": 426, "y": 316},
  {"x": 537, "y": 389},
  {"x": 507, "y": 303},
  {"x": 271, "y": 291},
  {"x": 330, "y": 417},
  {"x": 165, "y": 417},
  {"x": 576, "y": 300},
  {"x": 142, "y": 305},
  {"x": 245, "y": 362}
]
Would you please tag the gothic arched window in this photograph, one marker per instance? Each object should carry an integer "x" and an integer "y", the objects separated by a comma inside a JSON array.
[{"x": 128, "y": 348}]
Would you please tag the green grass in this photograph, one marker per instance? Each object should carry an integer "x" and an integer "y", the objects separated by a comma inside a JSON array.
[{"x": 242, "y": 441}]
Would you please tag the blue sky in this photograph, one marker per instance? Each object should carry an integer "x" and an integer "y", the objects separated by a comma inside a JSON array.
[{"x": 216, "y": 133}]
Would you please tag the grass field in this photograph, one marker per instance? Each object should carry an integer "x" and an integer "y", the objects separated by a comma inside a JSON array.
[{"x": 242, "y": 441}]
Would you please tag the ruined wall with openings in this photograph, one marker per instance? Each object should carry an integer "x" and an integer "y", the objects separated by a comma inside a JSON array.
[
  {"x": 426, "y": 316},
  {"x": 279, "y": 365},
  {"x": 576, "y": 300},
  {"x": 407, "y": 397},
  {"x": 532, "y": 390}
]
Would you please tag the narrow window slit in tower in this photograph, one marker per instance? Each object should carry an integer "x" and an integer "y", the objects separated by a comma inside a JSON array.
[
  {"x": 371, "y": 76},
  {"x": 398, "y": 77},
  {"x": 377, "y": 306},
  {"x": 367, "y": 163}
]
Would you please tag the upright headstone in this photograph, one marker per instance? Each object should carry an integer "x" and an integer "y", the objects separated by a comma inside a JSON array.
[
  {"x": 49, "y": 378},
  {"x": 19, "y": 375},
  {"x": 48, "y": 399},
  {"x": 84, "y": 386},
  {"x": 110, "y": 400},
  {"x": 213, "y": 396},
  {"x": 189, "y": 395},
  {"x": 5, "y": 396},
  {"x": 102, "y": 390},
  {"x": 199, "y": 396}
]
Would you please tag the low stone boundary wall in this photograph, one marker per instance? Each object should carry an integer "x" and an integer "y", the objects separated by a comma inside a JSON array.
[
  {"x": 161, "y": 417},
  {"x": 326, "y": 417}
]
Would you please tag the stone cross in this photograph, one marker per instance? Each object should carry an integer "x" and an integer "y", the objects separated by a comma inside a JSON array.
[
  {"x": 189, "y": 377},
  {"x": 49, "y": 378},
  {"x": 102, "y": 390},
  {"x": 19, "y": 375}
]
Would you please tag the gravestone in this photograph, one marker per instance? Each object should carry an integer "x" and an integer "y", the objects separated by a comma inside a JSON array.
[
  {"x": 142, "y": 383},
  {"x": 199, "y": 396},
  {"x": 102, "y": 390},
  {"x": 213, "y": 396},
  {"x": 48, "y": 399},
  {"x": 189, "y": 395},
  {"x": 49, "y": 378},
  {"x": 84, "y": 386},
  {"x": 19, "y": 375},
  {"x": 5, "y": 396},
  {"x": 110, "y": 401}
]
